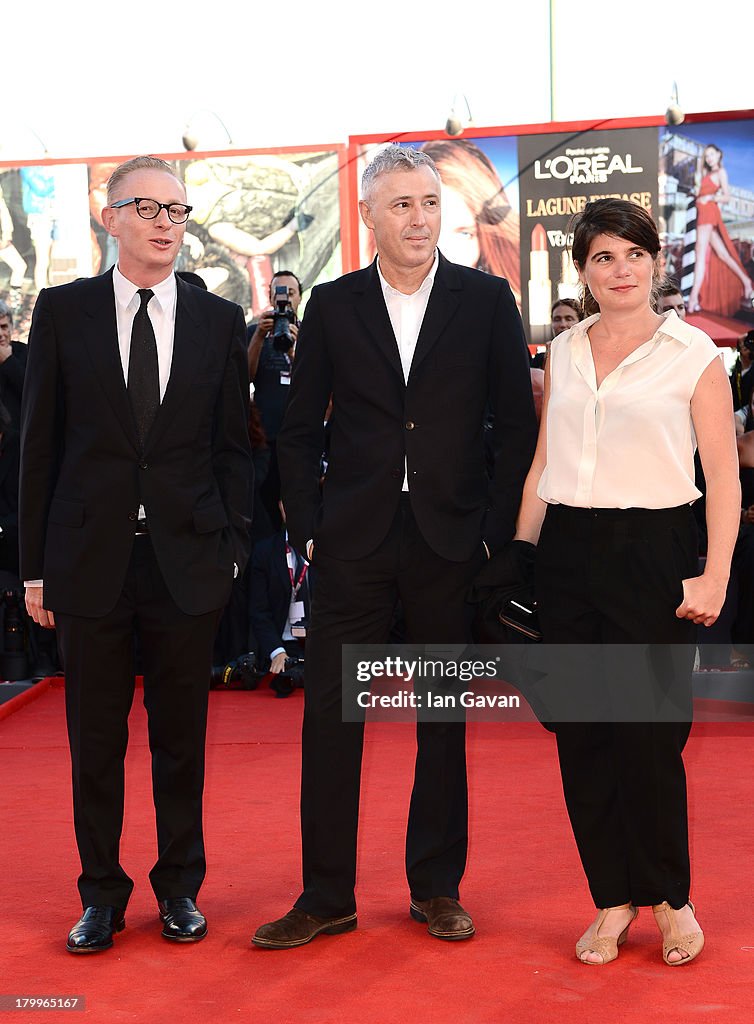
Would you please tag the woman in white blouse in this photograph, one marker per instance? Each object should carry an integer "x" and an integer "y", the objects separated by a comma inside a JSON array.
[{"x": 629, "y": 395}]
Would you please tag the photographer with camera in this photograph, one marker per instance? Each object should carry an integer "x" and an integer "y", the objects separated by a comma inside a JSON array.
[
  {"x": 272, "y": 345},
  {"x": 279, "y": 609},
  {"x": 742, "y": 376}
]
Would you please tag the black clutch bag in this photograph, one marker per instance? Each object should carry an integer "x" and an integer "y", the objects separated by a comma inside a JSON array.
[{"x": 519, "y": 613}]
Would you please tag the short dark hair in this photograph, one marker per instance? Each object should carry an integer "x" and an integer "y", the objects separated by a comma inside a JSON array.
[
  {"x": 618, "y": 217},
  {"x": 573, "y": 304},
  {"x": 286, "y": 273},
  {"x": 668, "y": 286}
]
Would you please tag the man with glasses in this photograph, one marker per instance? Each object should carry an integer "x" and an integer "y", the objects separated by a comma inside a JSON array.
[{"x": 134, "y": 473}]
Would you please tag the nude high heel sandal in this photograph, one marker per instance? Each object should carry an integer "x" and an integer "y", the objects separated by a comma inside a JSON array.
[
  {"x": 605, "y": 946},
  {"x": 691, "y": 943}
]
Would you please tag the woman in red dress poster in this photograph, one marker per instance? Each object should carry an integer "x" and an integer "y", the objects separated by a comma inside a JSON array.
[{"x": 720, "y": 282}]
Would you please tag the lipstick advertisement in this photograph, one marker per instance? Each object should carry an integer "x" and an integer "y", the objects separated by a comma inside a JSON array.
[{"x": 558, "y": 175}]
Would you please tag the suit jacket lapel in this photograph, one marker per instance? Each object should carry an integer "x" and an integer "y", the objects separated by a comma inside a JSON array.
[
  {"x": 444, "y": 300},
  {"x": 101, "y": 342},
  {"x": 373, "y": 312},
  {"x": 188, "y": 341}
]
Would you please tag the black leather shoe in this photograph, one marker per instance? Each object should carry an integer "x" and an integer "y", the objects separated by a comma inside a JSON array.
[
  {"x": 182, "y": 921},
  {"x": 94, "y": 932}
]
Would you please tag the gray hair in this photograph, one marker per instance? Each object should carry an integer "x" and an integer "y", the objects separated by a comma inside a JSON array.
[
  {"x": 394, "y": 158},
  {"x": 139, "y": 163},
  {"x": 5, "y": 310}
]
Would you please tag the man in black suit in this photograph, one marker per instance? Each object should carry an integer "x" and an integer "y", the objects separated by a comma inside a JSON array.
[
  {"x": 134, "y": 473},
  {"x": 415, "y": 351}
]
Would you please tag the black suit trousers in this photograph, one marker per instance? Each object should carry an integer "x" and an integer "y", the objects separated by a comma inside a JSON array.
[
  {"x": 98, "y": 660},
  {"x": 353, "y": 603},
  {"x": 614, "y": 577}
]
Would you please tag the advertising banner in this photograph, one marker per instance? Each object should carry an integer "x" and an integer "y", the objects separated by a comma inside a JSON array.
[
  {"x": 507, "y": 203},
  {"x": 254, "y": 213},
  {"x": 44, "y": 233},
  {"x": 706, "y": 221},
  {"x": 558, "y": 175}
]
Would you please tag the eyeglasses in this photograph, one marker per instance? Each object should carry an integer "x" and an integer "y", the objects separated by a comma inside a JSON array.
[{"x": 148, "y": 209}]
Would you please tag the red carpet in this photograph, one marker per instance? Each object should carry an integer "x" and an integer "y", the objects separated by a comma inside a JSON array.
[{"x": 524, "y": 887}]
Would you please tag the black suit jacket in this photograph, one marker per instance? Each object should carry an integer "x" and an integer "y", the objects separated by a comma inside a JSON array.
[
  {"x": 471, "y": 357},
  {"x": 83, "y": 476}
]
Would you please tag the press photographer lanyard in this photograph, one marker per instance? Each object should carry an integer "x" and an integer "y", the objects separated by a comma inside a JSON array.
[{"x": 295, "y": 586}]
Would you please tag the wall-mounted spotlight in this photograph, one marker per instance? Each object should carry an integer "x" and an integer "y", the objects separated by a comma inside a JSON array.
[
  {"x": 457, "y": 122},
  {"x": 674, "y": 115},
  {"x": 195, "y": 131}
]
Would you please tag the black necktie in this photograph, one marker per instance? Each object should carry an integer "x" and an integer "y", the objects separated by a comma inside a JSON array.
[{"x": 143, "y": 369}]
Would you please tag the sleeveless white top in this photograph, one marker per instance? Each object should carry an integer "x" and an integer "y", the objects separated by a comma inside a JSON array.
[{"x": 630, "y": 442}]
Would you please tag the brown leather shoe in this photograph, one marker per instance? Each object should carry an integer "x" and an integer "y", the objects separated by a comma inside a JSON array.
[
  {"x": 445, "y": 917},
  {"x": 297, "y": 928}
]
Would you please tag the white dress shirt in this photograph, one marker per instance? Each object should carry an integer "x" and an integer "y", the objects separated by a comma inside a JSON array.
[
  {"x": 406, "y": 314},
  {"x": 161, "y": 311},
  {"x": 630, "y": 442}
]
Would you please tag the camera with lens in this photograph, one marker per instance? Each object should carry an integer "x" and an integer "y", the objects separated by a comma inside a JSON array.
[
  {"x": 240, "y": 674},
  {"x": 282, "y": 317},
  {"x": 749, "y": 342},
  {"x": 291, "y": 678},
  {"x": 294, "y": 671}
]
